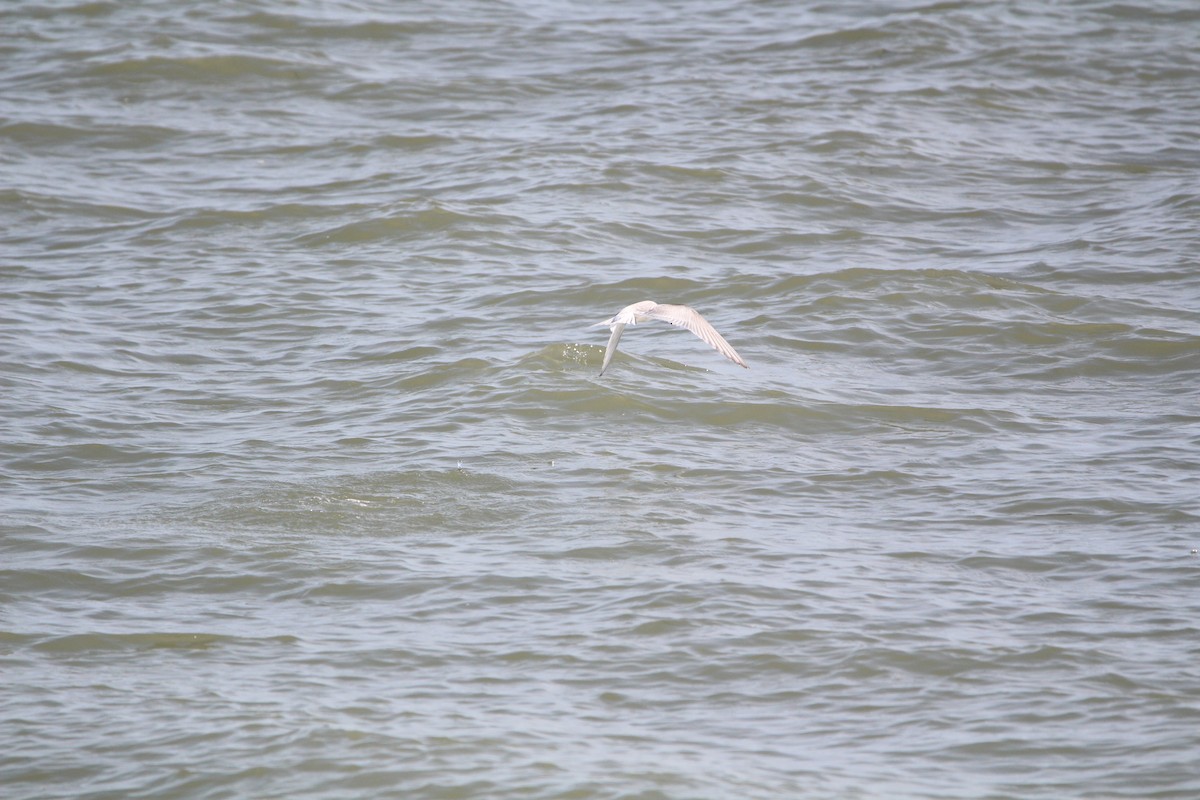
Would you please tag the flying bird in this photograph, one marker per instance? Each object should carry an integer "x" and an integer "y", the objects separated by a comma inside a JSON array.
[{"x": 679, "y": 316}]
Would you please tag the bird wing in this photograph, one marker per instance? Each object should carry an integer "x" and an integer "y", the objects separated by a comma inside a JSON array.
[
  {"x": 688, "y": 317},
  {"x": 617, "y": 329}
]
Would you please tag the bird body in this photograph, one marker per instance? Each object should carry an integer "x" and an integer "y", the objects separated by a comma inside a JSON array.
[{"x": 679, "y": 316}]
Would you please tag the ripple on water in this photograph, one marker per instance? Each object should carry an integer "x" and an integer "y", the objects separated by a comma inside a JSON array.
[{"x": 309, "y": 485}]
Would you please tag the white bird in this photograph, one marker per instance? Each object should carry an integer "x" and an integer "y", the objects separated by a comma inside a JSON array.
[{"x": 680, "y": 316}]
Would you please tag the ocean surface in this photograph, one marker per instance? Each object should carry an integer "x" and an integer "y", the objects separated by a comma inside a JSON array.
[{"x": 309, "y": 486}]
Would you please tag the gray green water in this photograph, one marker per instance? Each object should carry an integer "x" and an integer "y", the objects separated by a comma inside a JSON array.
[{"x": 309, "y": 487}]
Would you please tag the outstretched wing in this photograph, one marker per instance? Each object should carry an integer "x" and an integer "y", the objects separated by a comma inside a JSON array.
[
  {"x": 688, "y": 317},
  {"x": 617, "y": 329}
]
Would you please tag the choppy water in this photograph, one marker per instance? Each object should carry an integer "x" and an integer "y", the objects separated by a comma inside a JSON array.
[{"x": 309, "y": 487}]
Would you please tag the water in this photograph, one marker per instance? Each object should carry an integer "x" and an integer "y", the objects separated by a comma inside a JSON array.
[{"x": 309, "y": 487}]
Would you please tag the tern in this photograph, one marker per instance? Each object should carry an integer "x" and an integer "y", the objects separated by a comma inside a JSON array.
[{"x": 679, "y": 316}]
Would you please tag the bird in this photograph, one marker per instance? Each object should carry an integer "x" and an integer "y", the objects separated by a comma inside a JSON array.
[{"x": 679, "y": 316}]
